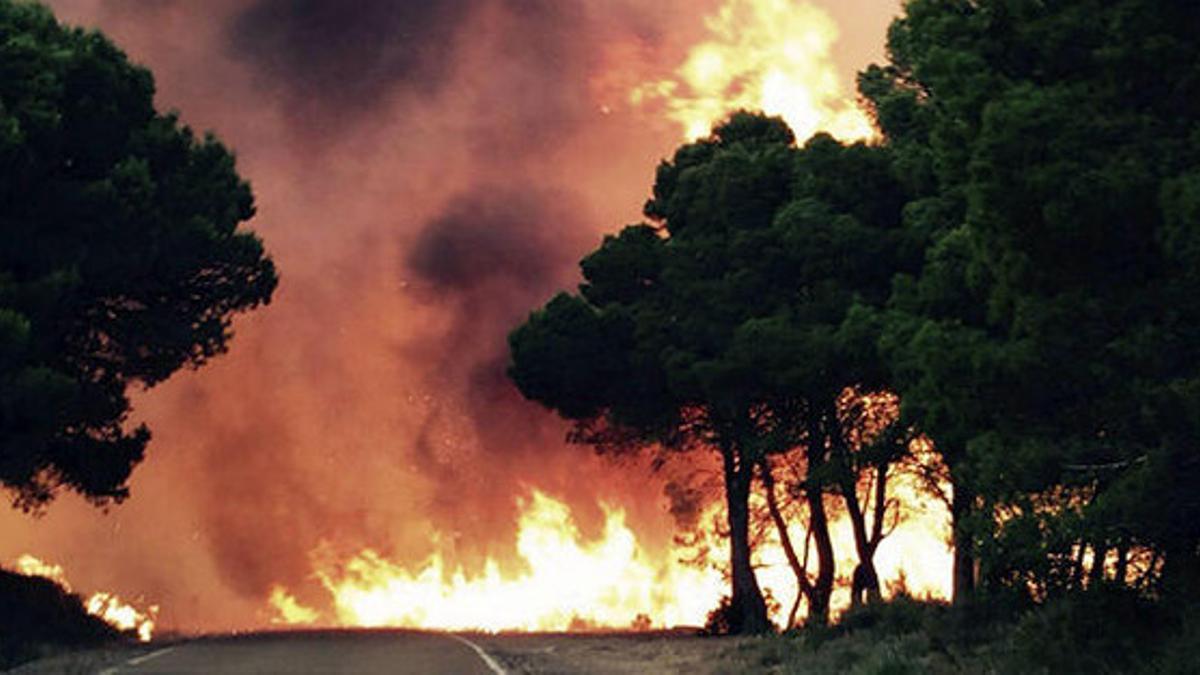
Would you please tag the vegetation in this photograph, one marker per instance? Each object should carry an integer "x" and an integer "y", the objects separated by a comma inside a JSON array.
[
  {"x": 1089, "y": 632},
  {"x": 1015, "y": 257},
  {"x": 121, "y": 260},
  {"x": 38, "y": 614}
]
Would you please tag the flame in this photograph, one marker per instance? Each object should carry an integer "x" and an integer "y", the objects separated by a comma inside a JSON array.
[
  {"x": 570, "y": 584},
  {"x": 289, "y": 610},
  {"x": 111, "y": 608},
  {"x": 611, "y": 582},
  {"x": 769, "y": 55},
  {"x": 31, "y": 566},
  {"x": 102, "y": 604}
]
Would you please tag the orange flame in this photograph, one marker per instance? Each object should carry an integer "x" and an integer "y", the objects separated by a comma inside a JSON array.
[
  {"x": 102, "y": 604},
  {"x": 769, "y": 55},
  {"x": 570, "y": 583},
  {"x": 611, "y": 582},
  {"x": 289, "y": 610}
]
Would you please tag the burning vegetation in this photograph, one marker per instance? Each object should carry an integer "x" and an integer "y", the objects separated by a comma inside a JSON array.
[
  {"x": 941, "y": 345},
  {"x": 108, "y": 607}
]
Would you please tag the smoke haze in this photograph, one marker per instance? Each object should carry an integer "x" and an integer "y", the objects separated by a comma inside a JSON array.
[{"x": 426, "y": 174}]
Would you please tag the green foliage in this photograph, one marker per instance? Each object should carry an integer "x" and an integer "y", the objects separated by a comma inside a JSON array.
[
  {"x": 736, "y": 319},
  {"x": 1097, "y": 631},
  {"x": 121, "y": 259},
  {"x": 1048, "y": 345},
  {"x": 900, "y": 615},
  {"x": 1110, "y": 631}
]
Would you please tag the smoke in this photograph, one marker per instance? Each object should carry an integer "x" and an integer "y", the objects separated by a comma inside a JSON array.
[
  {"x": 426, "y": 174},
  {"x": 331, "y": 56},
  {"x": 496, "y": 234}
]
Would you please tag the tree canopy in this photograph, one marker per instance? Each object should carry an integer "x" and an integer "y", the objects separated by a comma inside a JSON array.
[
  {"x": 1048, "y": 345},
  {"x": 121, "y": 259},
  {"x": 1015, "y": 256},
  {"x": 726, "y": 322}
]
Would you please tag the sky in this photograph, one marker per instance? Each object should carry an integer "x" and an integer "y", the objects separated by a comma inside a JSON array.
[{"x": 426, "y": 173}]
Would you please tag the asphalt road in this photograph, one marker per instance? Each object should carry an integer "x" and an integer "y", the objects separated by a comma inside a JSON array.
[{"x": 358, "y": 652}]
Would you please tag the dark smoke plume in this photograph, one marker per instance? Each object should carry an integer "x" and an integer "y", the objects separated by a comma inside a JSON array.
[
  {"x": 335, "y": 54},
  {"x": 524, "y": 237},
  {"x": 463, "y": 167}
]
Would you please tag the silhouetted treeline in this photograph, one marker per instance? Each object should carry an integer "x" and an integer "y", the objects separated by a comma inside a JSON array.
[{"x": 1017, "y": 257}]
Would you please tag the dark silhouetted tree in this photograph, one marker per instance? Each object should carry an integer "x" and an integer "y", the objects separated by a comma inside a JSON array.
[
  {"x": 120, "y": 255},
  {"x": 730, "y": 324},
  {"x": 1049, "y": 345}
]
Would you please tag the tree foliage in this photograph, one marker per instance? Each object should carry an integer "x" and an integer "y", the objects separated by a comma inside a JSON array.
[
  {"x": 732, "y": 321},
  {"x": 1049, "y": 345},
  {"x": 1016, "y": 257},
  {"x": 121, "y": 260}
]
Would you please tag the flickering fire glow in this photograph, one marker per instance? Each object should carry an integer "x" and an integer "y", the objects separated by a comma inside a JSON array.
[
  {"x": 570, "y": 583},
  {"x": 407, "y": 396},
  {"x": 769, "y": 55},
  {"x": 107, "y": 606},
  {"x": 611, "y": 582}
]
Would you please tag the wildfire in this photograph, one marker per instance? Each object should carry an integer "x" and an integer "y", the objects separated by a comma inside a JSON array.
[
  {"x": 107, "y": 606},
  {"x": 289, "y": 610},
  {"x": 570, "y": 583},
  {"x": 769, "y": 55},
  {"x": 573, "y": 584}
]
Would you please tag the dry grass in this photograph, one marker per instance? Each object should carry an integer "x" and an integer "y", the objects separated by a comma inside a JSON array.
[
  {"x": 83, "y": 662},
  {"x": 648, "y": 652}
]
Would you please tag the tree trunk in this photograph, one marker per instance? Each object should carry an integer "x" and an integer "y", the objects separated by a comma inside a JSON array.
[
  {"x": 1099, "y": 553},
  {"x": 817, "y": 455},
  {"x": 803, "y": 589},
  {"x": 864, "y": 582},
  {"x": 748, "y": 609},
  {"x": 818, "y": 608},
  {"x": 864, "y": 572},
  {"x": 1122, "y": 562},
  {"x": 964, "y": 554}
]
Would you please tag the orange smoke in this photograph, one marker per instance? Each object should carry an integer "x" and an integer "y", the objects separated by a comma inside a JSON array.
[
  {"x": 367, "y": 407},
  {"x": 769, "y": 55},
  {"x": 107, "y": 606}
]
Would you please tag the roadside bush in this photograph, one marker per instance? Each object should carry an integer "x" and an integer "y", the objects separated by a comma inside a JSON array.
[
  {"x": 901, "y": 615},
  {"x": 36, "y": 613},
  {"x": 1103, "y": 630},
  {"x": 978, "y": 619}
]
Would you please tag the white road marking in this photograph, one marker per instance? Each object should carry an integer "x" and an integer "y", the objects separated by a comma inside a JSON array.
[
  {"x": 137, "y": 660},
  {"x": 487, "y": 660}
]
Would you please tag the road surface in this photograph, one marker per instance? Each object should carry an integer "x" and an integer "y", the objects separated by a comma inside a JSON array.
[{"x": 358, "y": 652}]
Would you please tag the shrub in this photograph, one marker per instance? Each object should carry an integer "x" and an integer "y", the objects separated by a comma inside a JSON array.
[
  {"x": 901, "y": 615},
  {"x": 1103, "y": 630},
  {"x": 37, "y": 612}
]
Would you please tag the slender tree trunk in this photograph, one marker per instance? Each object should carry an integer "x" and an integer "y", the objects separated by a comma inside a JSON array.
[
  {"x": 748, "y": 608},
  {"x": 818, "y": 609},
  {"x": 1096, "y": 574},
  {"x": 864, "y": 582},
  {"x": 964, "y": 553},
  {"x": 880, "y": 509},
  {"x": 785, "y": 539},
  {"x": 1122, "y": 570},
  {"x": 822, "y": 588},
  {"x": 864, "y": 576}
]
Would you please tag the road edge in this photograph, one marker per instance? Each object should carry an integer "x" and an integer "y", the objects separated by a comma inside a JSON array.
[{"x": 484, "y": 656}]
